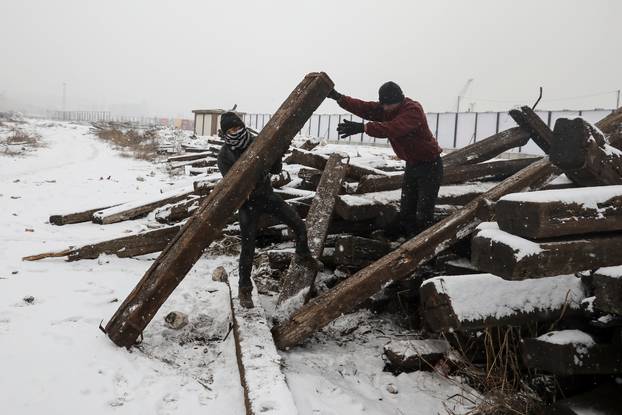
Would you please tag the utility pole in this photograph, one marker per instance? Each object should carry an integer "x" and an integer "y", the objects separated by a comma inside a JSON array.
[
  {"x": 618, "y": 100},
  {"x": 64, "y": 96}
]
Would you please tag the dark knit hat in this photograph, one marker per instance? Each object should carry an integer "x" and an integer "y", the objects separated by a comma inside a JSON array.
[
  {"x": 390, "y": 93},
  {"x": 229, "y": 120}
]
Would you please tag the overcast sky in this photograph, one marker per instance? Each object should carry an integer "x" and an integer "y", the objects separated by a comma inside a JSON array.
[{"x": 157, "y": 57}]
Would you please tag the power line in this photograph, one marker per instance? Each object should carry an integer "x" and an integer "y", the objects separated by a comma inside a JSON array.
[{"x": 544, "y": 99}]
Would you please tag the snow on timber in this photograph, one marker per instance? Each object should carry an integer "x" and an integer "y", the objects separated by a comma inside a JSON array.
[
  {"x": 522, "y": 247},
  {"x": 612, "y": 272},
  {"x": 575, "y": 337},
  {"x": 502, "y": 298},
  {"x": 55, "y": 360},
  {"x": 588, "y": 197}
]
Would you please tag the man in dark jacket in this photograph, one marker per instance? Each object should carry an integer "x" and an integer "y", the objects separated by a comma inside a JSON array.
[
  {"x": 403, "y": 122},
  {"x": 262, "y": 200}
]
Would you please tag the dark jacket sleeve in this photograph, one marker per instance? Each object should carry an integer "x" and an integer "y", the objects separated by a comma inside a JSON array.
[
  {"x": 224, "y": 160},
  {"x": 409, "y": 119},
  {"x": 277, "y": 167},
  {"x": 365, "y": 109}
]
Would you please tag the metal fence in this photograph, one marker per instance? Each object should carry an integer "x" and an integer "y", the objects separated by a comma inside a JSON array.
[
  {"x": 95, "y": 116},
  {"x": 453, "y": 130}
]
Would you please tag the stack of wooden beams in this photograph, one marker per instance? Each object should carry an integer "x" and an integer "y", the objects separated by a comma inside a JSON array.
[{"x": 540, "y": 241}]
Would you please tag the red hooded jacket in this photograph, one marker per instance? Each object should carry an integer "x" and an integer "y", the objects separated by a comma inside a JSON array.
[{"x": 406, "y": 127}]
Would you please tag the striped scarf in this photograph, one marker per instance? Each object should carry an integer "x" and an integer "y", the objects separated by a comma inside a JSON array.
[{"x": 239, "y": 140}]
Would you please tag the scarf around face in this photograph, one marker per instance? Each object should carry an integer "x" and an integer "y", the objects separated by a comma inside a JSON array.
[{"x": 239, "y": 140}]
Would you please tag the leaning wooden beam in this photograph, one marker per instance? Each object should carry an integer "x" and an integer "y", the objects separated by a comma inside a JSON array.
[
  {"x": 76, "y": 217},
  {"x": 131, "y": 210},
  {"x": 475, "y": 301},
  {"x": 487, "y": 148},
  {"x": 515, "y": 258},
  {"x": 402, "y": 262},
  {"x": 494, "y": 170},
  {"x": 265, "y": 388},
  {"x": 575, "y": 352},
  {"x": 611, "y": 122},
  {"x": 539, "y": 132},
  {"x": 124, "y": 247},
  {"x": 575, "y": 147},
  {"x": 318, "y": 161},
  {"x": 299, "y": 280},
  {"x": 206, "y": 224},
  {"x": 553, "y": 213}
]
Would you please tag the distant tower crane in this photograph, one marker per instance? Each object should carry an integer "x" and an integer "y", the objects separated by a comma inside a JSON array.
[{"x": 463, "y": 92}]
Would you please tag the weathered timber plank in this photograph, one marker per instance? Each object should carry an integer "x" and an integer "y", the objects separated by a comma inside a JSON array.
[
  {"x": 411, "y": 355},
  {"x": 575, "y": 353},
  {"x": 539, "y": 132},
  {"x": 365, "y": 206},
  {"x": 299, "y": 280},
  {"x": 126, "y": 246},
  {"x": 77, "y": 217},
  {"x": 487, "y": 148},
  {"x": 607, "y": 286},
  {"x": 586, "y": 160},
  {"x": 355, "y": 251},
  {"x": 259, "y": 363},
  {"x": 576, "y": 148},
  {"x": 318, "y": 161},
  {"x": 604, "y": 400},
  {"x": 131, "y": 210},
  {"x": 176, "y": 212},
  {"x": 515, "y": 258},
  {"x": 494, "y": 170},
  {"x": 191, "y": 156},
  {"x": 401, "y": 262},
  {"x": 553, "y": 213},
  {"x": 611, "y": 122},
  {"x": 206, "y": 224},
  {"x": 475, "y": 301}
]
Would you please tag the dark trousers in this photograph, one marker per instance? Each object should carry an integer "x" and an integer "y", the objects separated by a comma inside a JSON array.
[
  {"x": 419, "y": 193},
  {"x": 249, "y": 213}
]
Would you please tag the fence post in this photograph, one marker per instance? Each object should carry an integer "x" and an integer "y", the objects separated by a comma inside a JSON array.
[
  {"x": 338, "y": 122},
  {"x": 438, "y": 115},
  {"x": 328, "y": 131},
  {"x": 319, "y": 120},
  {"x": 456, "y": 130}
]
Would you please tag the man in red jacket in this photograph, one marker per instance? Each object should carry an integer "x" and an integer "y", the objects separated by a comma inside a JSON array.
[{"x": 403, "y": 122}]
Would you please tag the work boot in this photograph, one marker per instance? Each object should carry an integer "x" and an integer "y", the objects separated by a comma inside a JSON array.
[{"x": 245, "y": 295}]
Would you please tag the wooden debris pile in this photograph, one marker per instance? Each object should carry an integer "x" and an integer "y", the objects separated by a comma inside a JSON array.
[{"x": 530, "y": 253}]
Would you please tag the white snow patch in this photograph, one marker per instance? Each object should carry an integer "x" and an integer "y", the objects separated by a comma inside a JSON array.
[
  {"x": 478, "y": 296},
  {"x": 574, "y": 337},
  {"x": 522, "y": 247}
]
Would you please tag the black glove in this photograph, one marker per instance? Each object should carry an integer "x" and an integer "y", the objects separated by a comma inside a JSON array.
[
  {"x": 348, "y": 128},
  {"x": 334, "y": 95}
]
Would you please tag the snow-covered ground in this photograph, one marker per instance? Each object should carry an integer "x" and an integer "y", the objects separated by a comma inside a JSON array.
[{"x": 55, "y": 360}]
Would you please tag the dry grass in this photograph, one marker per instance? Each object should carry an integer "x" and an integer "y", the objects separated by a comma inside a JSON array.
[
  {"x": 19, "y": 142},
  {"x": 140, "y": 144},
  {"x": 499, "y": 376}
]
